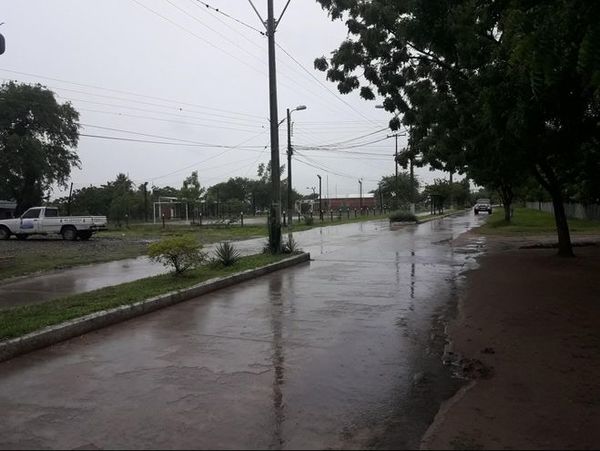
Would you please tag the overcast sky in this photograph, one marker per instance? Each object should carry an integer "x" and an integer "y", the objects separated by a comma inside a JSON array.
[{"x": 177, "y": 72}]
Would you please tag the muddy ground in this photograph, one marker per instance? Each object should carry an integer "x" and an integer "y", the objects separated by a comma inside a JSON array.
[{"x": 529, "y": 331}]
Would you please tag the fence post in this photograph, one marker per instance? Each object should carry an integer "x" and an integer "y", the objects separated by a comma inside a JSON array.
[{"x": 242, "y": 218}]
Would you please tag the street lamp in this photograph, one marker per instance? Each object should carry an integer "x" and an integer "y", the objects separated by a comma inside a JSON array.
[{"x": 289, "y": 156}]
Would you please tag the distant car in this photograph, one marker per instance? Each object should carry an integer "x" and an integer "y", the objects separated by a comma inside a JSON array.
[{"x": 483, "y": 205}]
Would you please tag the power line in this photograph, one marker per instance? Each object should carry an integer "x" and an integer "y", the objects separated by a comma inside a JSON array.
[
  {"x": 216, "y": 47},
  {"x": 341, "y": 143},
  {"x": 216, "y": 156},
  {"x": 162, "y": 99},
  {"x": 213, "y": 30},
  {"x": 304, "y": 70},
  {"x": 328, "y": 170},
  {"x": 125, "y": 107},
  {"x": 196, "y": 143},
  {"x": 320, "y": 82},
  {"x": 222, "y": 50},
  {"x": 137, "y": 116},
  {"x": 231, "y": 17}
]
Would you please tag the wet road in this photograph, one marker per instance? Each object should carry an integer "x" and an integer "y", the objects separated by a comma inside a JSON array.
[
  {"x": 37, "y": 289},
  {"x": 342, "y": 352}
]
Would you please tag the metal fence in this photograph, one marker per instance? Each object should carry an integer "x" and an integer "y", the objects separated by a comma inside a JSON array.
[{"x": 579, "y": 211}]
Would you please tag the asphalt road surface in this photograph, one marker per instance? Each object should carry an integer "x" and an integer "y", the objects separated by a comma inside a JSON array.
[{"x": 343, "y": 352}]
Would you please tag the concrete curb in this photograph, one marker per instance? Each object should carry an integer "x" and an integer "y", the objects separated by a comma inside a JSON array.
[
  {"x": 79, "y": 326},
  {"x": 442, "y": 216}
]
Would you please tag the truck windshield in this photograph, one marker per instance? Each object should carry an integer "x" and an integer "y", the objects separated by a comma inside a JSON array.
[{"x": 32, "y": 213}]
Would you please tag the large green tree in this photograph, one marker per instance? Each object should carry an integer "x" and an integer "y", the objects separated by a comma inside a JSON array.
[
  {"x": 399, "y": 196},
  {"x": 494, "y": 89},
  {"x": 38, "y": 137}
]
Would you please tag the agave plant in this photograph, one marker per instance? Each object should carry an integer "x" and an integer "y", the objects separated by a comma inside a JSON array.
[
  {"x": 291, "y": 246},
  {"x": 226, "y": 254}
]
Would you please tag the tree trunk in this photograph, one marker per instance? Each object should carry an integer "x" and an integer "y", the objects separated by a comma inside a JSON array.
[
  {"x": 506, "y": 193},
  {"x": 507, "y": 214},
  {"x": 565, "y": 248},
  {"x": 548, "y": 180}
]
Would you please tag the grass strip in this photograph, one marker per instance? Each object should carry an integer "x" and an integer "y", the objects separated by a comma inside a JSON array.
[
  {"x": 18, "y": 321},
  {"x": 527, "y": 221}
]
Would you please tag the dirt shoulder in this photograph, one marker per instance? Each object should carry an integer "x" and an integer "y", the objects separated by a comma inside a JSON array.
[{"x": 534, "y": 320}]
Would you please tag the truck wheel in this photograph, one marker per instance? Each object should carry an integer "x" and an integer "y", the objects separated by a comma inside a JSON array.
[
  {"x": 4, "y": 233},
  {"x": 21, "y": 236},
  {"x": 85, "y": 235},
  {"x": 69, "y": 234}
]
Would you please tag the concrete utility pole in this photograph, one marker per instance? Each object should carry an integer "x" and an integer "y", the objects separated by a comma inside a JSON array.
[
  {"x": 145, "y": 201},
  {"x": 320, "y": 200},
  {"x": 2, "y": 42},
  {"x": 70, "y": 198},
  {"x": 396, "y": 188},
  {"x": 275, "y": 214},
  {"x": 360, "y": 187},
  {"x": 275, "y": 210},
  {"x": 290, "y": 152},
  {"x": 412, "y": 185}
]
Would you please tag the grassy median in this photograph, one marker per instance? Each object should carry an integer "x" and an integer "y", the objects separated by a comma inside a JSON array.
[
  {"x": 42, "y": 254},
  {"x": 527, "y": 221},
  {"x": 19, "y": 321}
]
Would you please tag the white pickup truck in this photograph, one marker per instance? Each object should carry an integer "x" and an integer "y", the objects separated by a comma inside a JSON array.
[{"x": 45, "y": 220}]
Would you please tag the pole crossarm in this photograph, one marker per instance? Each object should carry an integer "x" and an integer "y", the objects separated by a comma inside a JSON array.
[
  {"x": 258, "y": 14},
  {"x": 282, "y": 13}
]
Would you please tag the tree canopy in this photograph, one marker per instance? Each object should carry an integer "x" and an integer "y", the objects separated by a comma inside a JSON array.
[
  {"x": 38, "y": 137},
  {"x": 499, "y": 90}
]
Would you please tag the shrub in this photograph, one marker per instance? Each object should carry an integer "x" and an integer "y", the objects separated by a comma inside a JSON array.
[
  {"x": 226, "y": 254},
  {"x": 308, "y": 220},
  {"x": 180, "y": 252},
  {"x": 402, "y": 216},
  {"x": 267, "y": 248},
  {"x": 291, "y": 246}
]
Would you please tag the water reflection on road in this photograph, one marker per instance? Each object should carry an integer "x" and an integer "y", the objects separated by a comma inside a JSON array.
[
  {"x": 36, "y": 289},
  {"x": 338, "y": 353}
]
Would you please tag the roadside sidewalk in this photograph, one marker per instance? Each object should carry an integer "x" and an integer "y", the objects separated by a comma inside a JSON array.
[{"x": 533, "y": 321}]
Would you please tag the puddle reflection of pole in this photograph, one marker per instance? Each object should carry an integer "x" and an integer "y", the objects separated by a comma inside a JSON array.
[
  {"x": 278, "y": 358},
  {"x": 412, "y": 275},
  {"x": 397, "y": 268}
]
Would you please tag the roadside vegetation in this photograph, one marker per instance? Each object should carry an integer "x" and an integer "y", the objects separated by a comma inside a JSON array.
[
  {"x": 41, "y": 255},
  {"x": 19, "y": 321},
  {"x": 402, "y": 216},
  {"x": 527, "y": 221}
]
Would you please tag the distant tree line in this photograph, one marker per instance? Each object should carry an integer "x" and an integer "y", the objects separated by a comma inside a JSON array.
[{"x": 122, "y": 200}]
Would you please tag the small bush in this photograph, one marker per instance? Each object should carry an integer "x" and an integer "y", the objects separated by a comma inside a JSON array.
[
  {"x": 402, "y": 216},
  {"x": 291, "y": 246},
  {"x": 226, "y": 254},
  {"x": 267, "y": 248},
  {"x": 179, "y": 252},
  {"x": 308, "y": 220}
]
